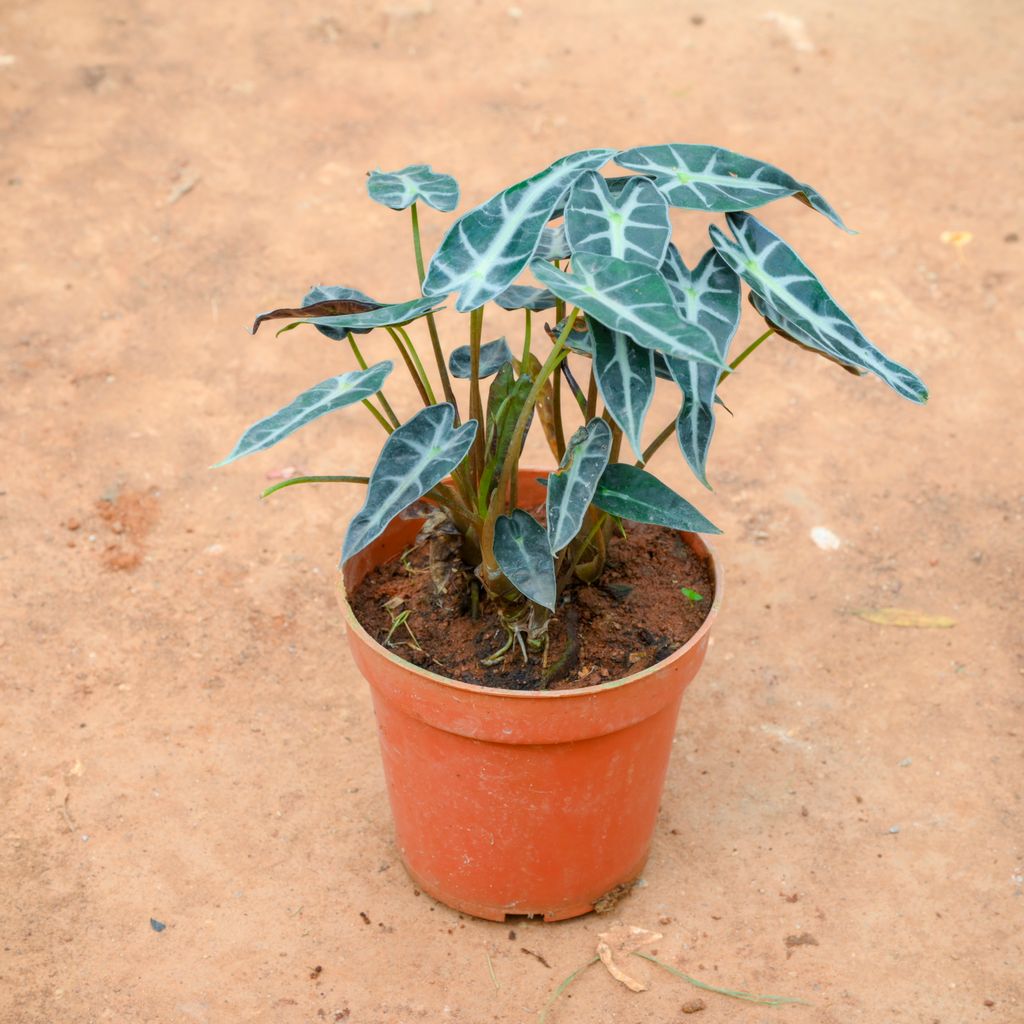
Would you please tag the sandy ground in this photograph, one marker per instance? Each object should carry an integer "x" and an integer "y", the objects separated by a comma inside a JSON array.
[{"x": 184, "y": 736}]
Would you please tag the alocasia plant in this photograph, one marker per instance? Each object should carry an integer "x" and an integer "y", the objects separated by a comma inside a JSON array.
[{"x": 602, "y": 247}]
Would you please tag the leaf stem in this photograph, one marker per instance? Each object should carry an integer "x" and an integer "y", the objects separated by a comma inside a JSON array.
[
  {"x": 526, "y": 339},
  {"x": 556, "y": 414},
  {"x": 291, "y": 481},
  {"x": 419, "y": 365},
  {"x": 384, "y": 403},
  {"x": 746, "y": 352},
  {"x": 435, "y": 341},
  {"x": 591, "y": 394},
  {"x": 409, "y": 365},
  {"x": 476, "y": 406},
  {"x": 576, "y": 390}
]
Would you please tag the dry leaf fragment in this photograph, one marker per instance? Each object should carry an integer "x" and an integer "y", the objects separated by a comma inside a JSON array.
[
  {"x": 904, "y": 617},
  {"x": 622, "y": 940}
]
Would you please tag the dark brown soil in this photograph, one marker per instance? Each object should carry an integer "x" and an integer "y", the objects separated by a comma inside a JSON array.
[{"x": 634, "y": 616}]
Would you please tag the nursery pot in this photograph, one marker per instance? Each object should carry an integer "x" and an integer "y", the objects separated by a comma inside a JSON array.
[{"x": 521, "y": 802}]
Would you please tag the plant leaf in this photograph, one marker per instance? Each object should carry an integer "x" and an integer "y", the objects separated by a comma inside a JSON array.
[
  {"x": 625, "y": 379},
  {"x": 712, "y": 178},
  {"x": 632, "y": 225},
  {"x": 786, "y": 329},
  {"x": 383, "y": 316},
  {"x": 493, "y": 355},
  {"x": 581, "y": 341},
  {"x": 486, "y": 249},
  {"x": 633, "y": 299},
  {"x": 776, "y": 273},
  {"x": 553, "y": 244},
  {"x": 417, "y": 182},
  {"x": 523, "y": 296},
  {"x": 521, "y": 550},
  {"x": 505, "y": 400},
  {"x": 415, "y": 458},
  {"x": 325, "y": 397},
  {"x": 571, "y": 486},
  {"x": 631, "y": 493},
  {"x": 333, "y": 300},
  {"x": 709, "y": 295},
  {"x": 905, "y": 617}
]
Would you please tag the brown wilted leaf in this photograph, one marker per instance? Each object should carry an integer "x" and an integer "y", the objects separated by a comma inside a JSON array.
[
  {"x": 327, "y": 307},
  {"x": 620, "y": 941}
]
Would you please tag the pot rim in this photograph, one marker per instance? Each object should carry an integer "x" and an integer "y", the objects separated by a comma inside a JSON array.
[{"x": 353, "y": 624}]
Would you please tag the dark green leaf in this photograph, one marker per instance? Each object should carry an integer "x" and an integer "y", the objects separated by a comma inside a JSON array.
[
  {"x": 415, "y": 458},
  {"x": 710, "y": 295},
  {"x": 571, "y": 486},
  {"x": 631, "y": 493},
  {"x": 553, "y": 244},
  {"x": 632, "y": 225},
  {"x": 325, "y": 397},
  {"x": 415, "y": 183},
  {"x": 384, "y": 316},
  {"x": 329, "y": 301},
  {"x": 625, "y": 378},
  {"x": 522, "y": 296},
  {"x": 521, "y": 550},
  {"x": 493, "y": 356},
  {"x": 487, "y": 248},
  {"x": 630, "y": 298},
  {"x": 716, "y": 179},
  {"x": 777, "y": 274}
]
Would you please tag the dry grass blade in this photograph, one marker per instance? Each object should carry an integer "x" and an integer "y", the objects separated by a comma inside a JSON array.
[
  {"x": 747, "y": 997},
  {"x": 542, "y": 1016}
]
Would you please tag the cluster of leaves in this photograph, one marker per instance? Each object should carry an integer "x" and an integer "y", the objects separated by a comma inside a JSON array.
[{"x": 621, "y": 297}]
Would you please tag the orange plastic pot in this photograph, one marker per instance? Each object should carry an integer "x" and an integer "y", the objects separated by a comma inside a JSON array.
[{"x": 510, "y": 802}]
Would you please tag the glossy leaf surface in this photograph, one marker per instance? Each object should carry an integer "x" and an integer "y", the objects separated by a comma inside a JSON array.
[
  {"x": 553, "y": 244},
  {"x": 384, "y": 316},
  {"x": 493, "y": 355},
  {"x": 710, "y": 295},
  {"x": 715, "y": 179},
  {"x": 630, "y": 298},
  {"x": 776, "y": 273},
  {"x": 571, "y": 486},
  {"x": 521, "y": 550},
  {"x": 487, "y": 248},
  {"x": 415, "y": 183},
  {"x": 625, "y": 379},
  {"x": 631, "y": 493},
  {"x": 632, "y": 225},
  {"x": 415, "y": 458},
  {"x": 325, "y": 397},
  {"x": 523, "y": 296}
]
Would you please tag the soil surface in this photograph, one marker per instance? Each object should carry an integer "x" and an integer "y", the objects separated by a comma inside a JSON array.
[
  {"x": 183, "y": 735},
  {"x": 636, "y": 614}
]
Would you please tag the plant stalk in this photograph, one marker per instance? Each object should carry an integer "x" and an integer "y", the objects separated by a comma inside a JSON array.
[
  {"x": 476, "y": 405},
  {"x": 419, "y": 365},
  {"x": 384, "y": 403},
  {"x": 409, "y": 365},
  {"x": 291, "y": 481},
  {"x": 435, "y": 341}
]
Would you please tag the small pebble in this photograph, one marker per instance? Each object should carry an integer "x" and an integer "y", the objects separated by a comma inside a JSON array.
[
  {"x": 894, "y": 829},
  {"x": 157, "y": 926},
  {"x": 906, "y": 762},
  {"x": 694, "y": 1006},
  {"x": 72, "y": 523}
]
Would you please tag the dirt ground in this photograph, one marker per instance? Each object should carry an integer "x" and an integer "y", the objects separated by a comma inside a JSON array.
[{"x": 184, "y": 736}]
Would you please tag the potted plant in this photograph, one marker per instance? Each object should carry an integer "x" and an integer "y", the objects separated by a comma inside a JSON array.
[{"x": 525, "y": 775}]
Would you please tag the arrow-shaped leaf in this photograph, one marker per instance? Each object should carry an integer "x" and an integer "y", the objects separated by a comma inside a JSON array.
[
  {"x": 493, "y": 356},
  {"x": 776, "y": 273},
  {"x": 553, "y": 244},
  {"x": 571, "y": 486},
  {"x": 632, "y": 225},
  {"x": 631, "y": 493},
  {"x": 486, "y": 249},
  {"x": 415, "y": 458},
  {"x": 333, "y": 300},
  {"x": 633, "y": 299},
  {"x": 581, "y": 341},
  {"x": 523, "y": 296},
  {"x": 325, "y": 397},
  {"x": 415, "y": 183},
  {"x": 785, "y": 328},
  {"x": 521, "y": 550},
  {"x": 712, "y": 178},
  {"x": 710, "y": 295},
  {"x": 625, "y": 378}
]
